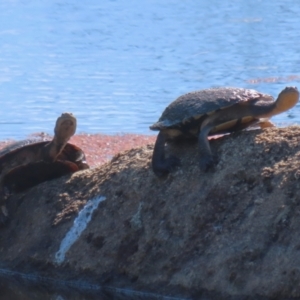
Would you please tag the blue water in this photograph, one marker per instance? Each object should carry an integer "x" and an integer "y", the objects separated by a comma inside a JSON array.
[{"x": 117, "y": 64}]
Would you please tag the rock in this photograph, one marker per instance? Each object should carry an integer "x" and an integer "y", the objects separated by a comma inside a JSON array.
[{"x": 231, "y": 232}]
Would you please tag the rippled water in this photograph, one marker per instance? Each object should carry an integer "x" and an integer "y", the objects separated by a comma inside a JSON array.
[{"x": 117, "y": 64}]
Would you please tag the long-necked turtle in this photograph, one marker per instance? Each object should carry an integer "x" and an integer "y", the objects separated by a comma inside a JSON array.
[
  {"x": 27, "y": 163},
  {"x": 210, "y": 111}
]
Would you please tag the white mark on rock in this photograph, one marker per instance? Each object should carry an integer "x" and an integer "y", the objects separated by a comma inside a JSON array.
[
  {"x": 80, "y": 223},
  {"x": 136, "y": 220}
]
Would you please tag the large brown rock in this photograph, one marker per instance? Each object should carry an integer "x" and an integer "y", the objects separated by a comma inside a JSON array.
[{"x": 233, "y": 231}]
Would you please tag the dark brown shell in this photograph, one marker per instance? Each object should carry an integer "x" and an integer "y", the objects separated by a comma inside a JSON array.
[
  {"x": 196, "y": 104},
  {"x": 22, "y": 165}
]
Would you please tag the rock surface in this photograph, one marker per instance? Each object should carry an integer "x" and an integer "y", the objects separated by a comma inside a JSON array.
[{"x": 232, "y": 232}]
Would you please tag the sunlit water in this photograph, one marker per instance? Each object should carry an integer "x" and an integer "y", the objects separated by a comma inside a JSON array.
[{"x": 117, "y": 64}]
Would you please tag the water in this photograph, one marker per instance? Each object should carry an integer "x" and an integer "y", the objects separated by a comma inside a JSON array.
[
  {"x": 17, "y": 286},
  {"x": 117, "y": 64}
]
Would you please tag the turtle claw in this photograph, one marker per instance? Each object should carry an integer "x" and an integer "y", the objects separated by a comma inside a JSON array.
[
  {"x": 166, "y": 166},
  {"x": 207, "y": 162}
]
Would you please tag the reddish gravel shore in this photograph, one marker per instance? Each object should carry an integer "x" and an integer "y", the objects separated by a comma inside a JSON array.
[{"x": 100, "y": 148}]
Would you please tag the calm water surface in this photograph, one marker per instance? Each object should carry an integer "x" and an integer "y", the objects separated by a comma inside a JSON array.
[
  {"x": 19, "y": 288},
  {"x": 117, "y": 64}
]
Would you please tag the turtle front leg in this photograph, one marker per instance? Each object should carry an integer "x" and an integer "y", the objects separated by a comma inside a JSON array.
[
  {"x": 207, "y": 160},
  {"x": 65, "y": 127},
  {"x": 162, "y": 166}
]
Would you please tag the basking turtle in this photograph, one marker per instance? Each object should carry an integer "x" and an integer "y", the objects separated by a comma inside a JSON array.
[
  {"x": 211, "y": 111},
  {"x": 27, "y": 163}
]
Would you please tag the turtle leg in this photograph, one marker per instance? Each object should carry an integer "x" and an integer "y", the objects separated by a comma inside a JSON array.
[
  {"x": 65, "y": 127},
  {"x": 207, "y": 160},
  {"x": 162, "y": 166}
]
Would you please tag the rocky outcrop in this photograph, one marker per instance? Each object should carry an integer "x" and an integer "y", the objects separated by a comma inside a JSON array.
[{"x": 230, "y": 232}]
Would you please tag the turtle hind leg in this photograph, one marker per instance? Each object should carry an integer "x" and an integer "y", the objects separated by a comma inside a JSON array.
[
  {"x": 207, "y": 160},
  {"x": 65, "y": 127},
  {"x": 162, "y": 166}
]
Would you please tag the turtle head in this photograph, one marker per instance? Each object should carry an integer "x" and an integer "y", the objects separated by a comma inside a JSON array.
[
  {"x": 65, "y": 127},
  {"x": 287, "y": 98}
]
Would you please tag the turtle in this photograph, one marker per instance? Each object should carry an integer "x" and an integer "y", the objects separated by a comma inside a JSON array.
[
  {"x": 26, "y": 163},
  {"x": 211, "y": 111}
]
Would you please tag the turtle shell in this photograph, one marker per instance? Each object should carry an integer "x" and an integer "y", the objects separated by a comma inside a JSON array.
[
  {"x": 195, "y": 105},
  {"x": 22, "y": 165}
]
